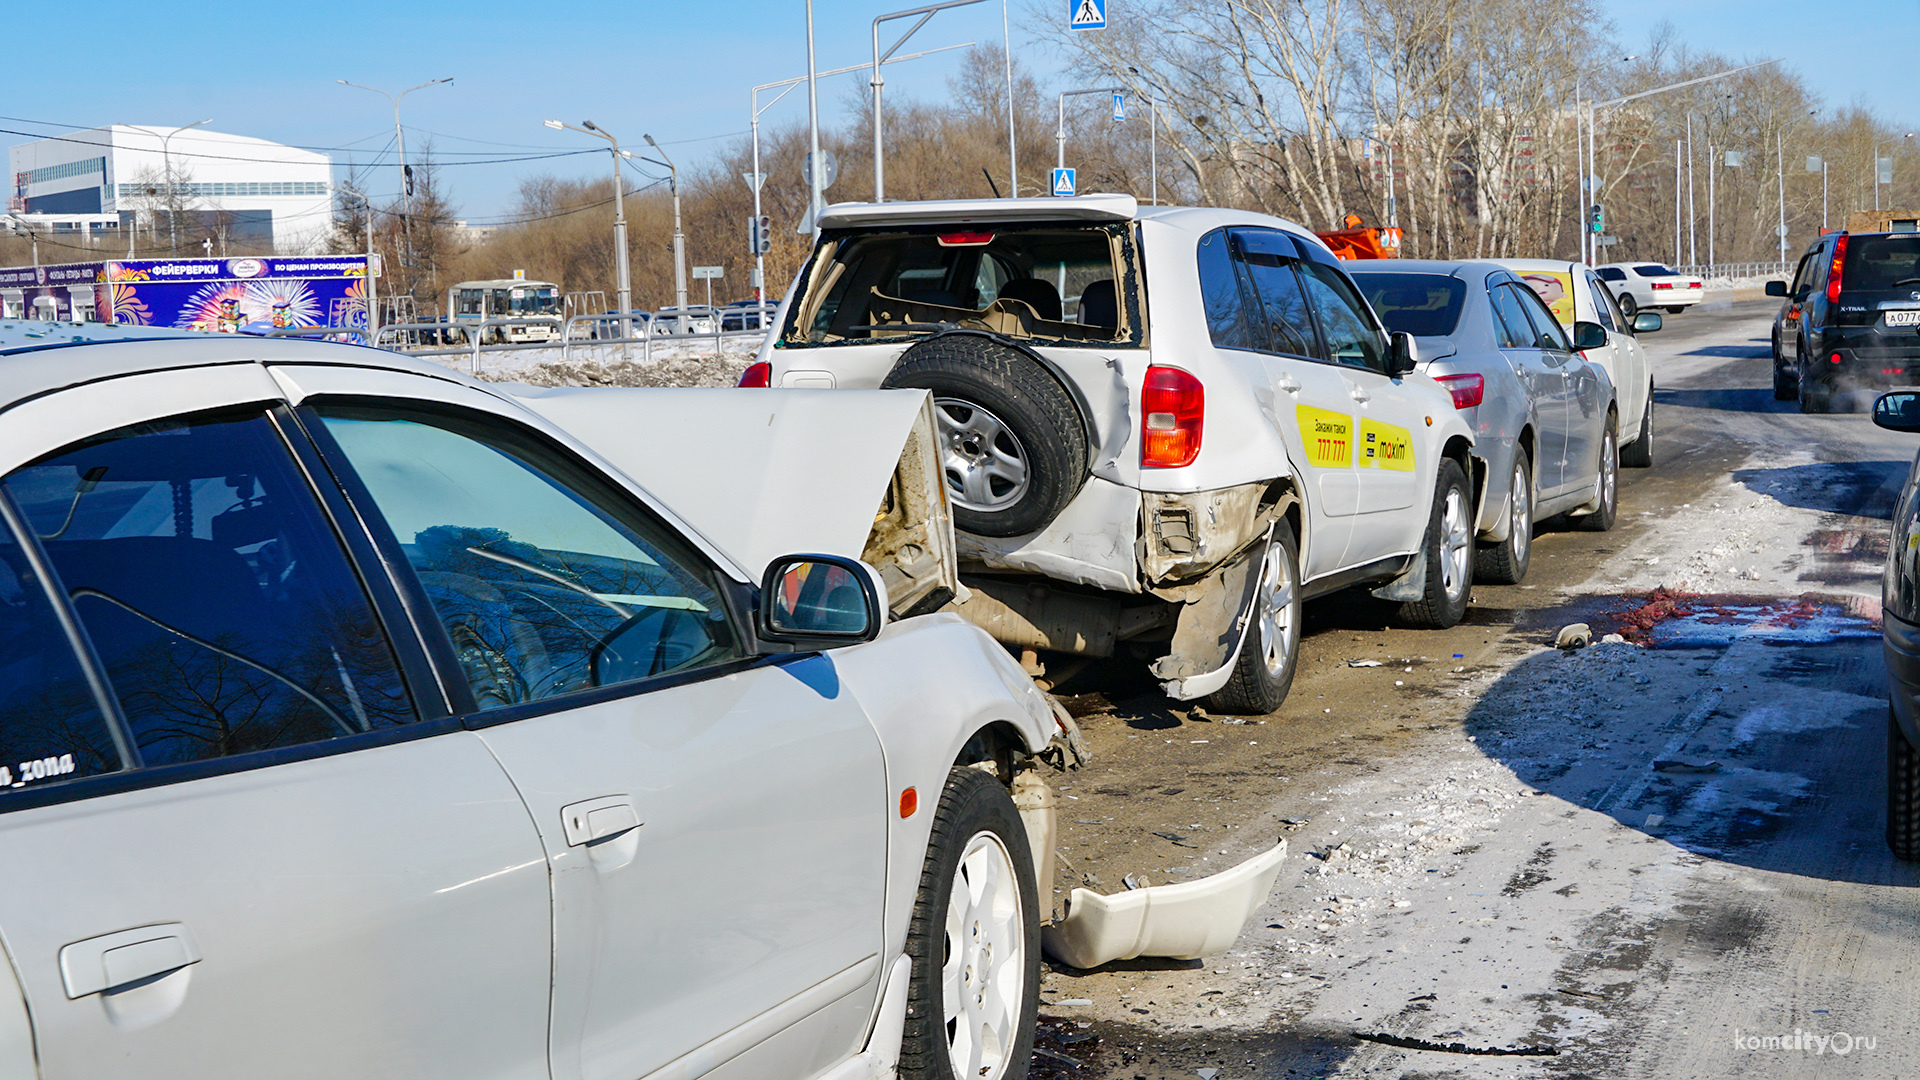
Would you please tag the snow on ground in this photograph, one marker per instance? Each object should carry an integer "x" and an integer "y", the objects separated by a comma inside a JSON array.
[{"x": 676, "y": 363}]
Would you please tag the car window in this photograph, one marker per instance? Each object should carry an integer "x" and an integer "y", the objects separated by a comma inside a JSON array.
[
  {"x": 1513, "y": 327},
  {"x": 1424, "y": 305},
  {"x": 1603, "y": 305},
  {"x": 546, "y": 580},
  {"x": 1281, "y": 305},
  {"x": 51, "y": 727},
  {"x": 1546, "y": 329},
  {"x": 1882, "y": 262},
  {"x": 220, "y": 603},
  {"x": 1656, "y": 270},
  {"x": 1610, "y": 273},
  {"x": 1801, "y": 273},
  {"x": 1223, "y": 294},
  {"x": 1346, "y": 323}
]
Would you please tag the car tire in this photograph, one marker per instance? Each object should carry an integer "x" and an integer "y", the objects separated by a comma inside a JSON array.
[
  {"x": 1449, "y": 553},
  {"x": 1263, "y": 673},
  {"x": 1601, "y": 518},
  {"x": 1903, "y": 793},
  {"x": 1681, "y": 310},
  {"x": 1813, "y": 397},
  {"x": 1628, "y": 305},
  {"x": 1785, "y": 385},
  {"x": 1638, "y": 454},
  {"x": 1505, "y": 563},
  {"x": 977, "y": 913},
  {"x": 1012, "y": 445}
]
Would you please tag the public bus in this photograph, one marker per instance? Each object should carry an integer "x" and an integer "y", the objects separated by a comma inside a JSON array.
[{"x": 508, "y": 298}]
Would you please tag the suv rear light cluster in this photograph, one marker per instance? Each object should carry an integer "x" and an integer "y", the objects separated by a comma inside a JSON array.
[
  {"x": 1468, "y": 389},
  {"x": 757, "y": 376},
  {"x": 1172, "y": 412},
  {"x": 1833, "y": 276}
]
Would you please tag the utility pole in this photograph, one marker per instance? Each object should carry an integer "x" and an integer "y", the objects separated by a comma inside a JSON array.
[
  {"x": 406, "y": 177},
  {"x": 1693, "y": 245},
  {"x": 1013, "y": 155},
  {"x": 1876, "y": 165},
  {"x": 173, "y": 200},
  {"x": 679, "y": 239},
  {"x": 622, "y": 284},
  {"x": 815, "y": 168},
  {"x": 1060, "y": 128},
  {"x": 925, "y": 13}
]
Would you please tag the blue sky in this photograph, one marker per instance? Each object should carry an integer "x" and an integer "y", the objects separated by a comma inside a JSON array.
[{"x": 680, "y": 71}]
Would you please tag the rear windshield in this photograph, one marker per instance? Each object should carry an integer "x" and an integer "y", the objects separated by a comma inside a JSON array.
[
  {"x": 1609, "y": 273},
  {"x": 1065, "y": 283},
  {"x": 1881, "y": 262},
  {"x": 1424, "y": 305},
  {"x": 1656, "y": 271}
]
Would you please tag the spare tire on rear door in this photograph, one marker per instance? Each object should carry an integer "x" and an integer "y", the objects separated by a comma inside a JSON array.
[{"x": 1012, "y": 445}]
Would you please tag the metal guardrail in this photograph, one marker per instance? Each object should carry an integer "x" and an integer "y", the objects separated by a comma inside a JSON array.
[
  {"x": 1737, "y": 271},
  {"x": 474, "y": 333}
]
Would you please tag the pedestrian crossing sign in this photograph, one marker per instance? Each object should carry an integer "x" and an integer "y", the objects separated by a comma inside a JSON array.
[
  {"x": 1063, "y": 182},
  {"x": 1087, "y": 14}
]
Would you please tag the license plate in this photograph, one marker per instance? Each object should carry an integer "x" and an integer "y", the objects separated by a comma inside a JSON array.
[{"x": 1901, "y": 318}]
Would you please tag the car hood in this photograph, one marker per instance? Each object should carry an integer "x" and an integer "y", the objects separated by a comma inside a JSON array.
[{"x": 766, "y": 473}]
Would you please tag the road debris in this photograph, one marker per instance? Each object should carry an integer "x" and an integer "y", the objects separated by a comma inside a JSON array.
[
  {"x": 1405, "y": 1043},
  {"x": 1185, "y": 921},
  {"x": 1574, "y": 636},
  {"x": 1365, "y": 663}
]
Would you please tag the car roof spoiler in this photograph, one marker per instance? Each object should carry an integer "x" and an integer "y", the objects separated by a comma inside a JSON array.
[{"x": 970, "y": 211}]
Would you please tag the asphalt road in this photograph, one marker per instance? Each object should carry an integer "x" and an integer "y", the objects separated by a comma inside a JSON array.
[{"x": 1652, "y": 858}]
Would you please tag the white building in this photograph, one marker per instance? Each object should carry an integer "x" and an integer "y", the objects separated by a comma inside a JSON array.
[{"x": 200, "y": 185}]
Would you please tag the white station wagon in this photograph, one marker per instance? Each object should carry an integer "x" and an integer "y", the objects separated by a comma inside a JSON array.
[
  {"x": 1162, "y": 428},
  {"x": 359, "y": 721}
]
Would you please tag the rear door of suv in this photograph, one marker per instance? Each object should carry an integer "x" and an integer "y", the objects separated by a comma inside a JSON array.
[
  {"x": 1258, "y": 318},
  {"x": 1878, "y": 314}
]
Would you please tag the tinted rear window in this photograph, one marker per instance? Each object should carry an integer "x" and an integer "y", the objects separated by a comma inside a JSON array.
[
  {"x": 1656, "y": 271},
  {"x": 1881, "y": 262},
  {"x": 1424, "y": 305}
]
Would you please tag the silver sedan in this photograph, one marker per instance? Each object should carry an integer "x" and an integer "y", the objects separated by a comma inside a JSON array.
[{"x": 1545, "y": 419}]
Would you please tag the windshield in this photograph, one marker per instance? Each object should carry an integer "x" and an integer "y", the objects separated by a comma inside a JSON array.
[
  {"x": 1063, "y": 282},
  {"x": 1881, "y": 262},
  {"x": 1656, "y": 271},
  {"x": 535, "y": 301},
  {"x": 1424, "y": 305}
]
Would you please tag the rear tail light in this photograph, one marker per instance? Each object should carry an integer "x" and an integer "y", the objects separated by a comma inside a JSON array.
[
  {"x": 1172, "y": 411},
  {"x": 757, "y": 376},
  {"x": 1663, "y": 284},
  {"x": 965, "y": 239},
  {"x": 1833, "y": 275},
  {"x": 1468, "y": 390},
  {"x": 1836, "y": 358}
]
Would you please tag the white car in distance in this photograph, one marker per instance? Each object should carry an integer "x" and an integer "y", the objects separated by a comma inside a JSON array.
[
  {"x": 1651, "y": 285},
  {"x": 1162, "y": 427},
  {"x": 360, "y": 721}
]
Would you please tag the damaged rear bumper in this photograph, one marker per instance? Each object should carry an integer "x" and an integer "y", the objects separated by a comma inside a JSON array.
[{"x": 1187, "y": 921}]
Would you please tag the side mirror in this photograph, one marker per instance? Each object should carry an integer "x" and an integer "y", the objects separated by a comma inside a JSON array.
[
  {"x": 1403, "y": 355},
  {"x": 1589, "y": 335},
  {"x": 821, "y": 601},
  {"x": 1799, "y": 295},
  {"x": 1777, "y": 288},
  {"x": 1646, "y": 322},
  {"x": 1898, "y": 411}
]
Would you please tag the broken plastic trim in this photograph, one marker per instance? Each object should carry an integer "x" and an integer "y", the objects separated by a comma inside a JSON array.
[
  {"x": 1187, "y": 921},
  {"x": 1405, "y": 1043}
]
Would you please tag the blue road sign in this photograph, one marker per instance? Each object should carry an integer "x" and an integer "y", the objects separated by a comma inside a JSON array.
[
  {"x": 1063, "y": 182},
  {"x": 1086, "y": 14},
  {"x": 1119, "y": 106}
]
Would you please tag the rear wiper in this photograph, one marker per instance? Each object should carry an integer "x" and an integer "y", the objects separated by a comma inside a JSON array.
[{"x": 1908, "y": 281}]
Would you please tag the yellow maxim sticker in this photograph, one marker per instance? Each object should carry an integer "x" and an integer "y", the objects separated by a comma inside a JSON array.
[
  {"x": 1383, "y": 446},
  {"x": 1328, "y": 436},
  {"x": 1556, "y": 288}
]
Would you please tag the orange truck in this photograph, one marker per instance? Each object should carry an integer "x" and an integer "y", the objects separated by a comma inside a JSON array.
[{"x": 1355, "y": 242}]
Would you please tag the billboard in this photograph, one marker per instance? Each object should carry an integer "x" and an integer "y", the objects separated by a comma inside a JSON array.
[{"x": 245, "y": 295}]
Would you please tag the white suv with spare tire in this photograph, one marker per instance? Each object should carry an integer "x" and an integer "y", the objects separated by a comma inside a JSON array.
[{"x": 1162, "y": 428}]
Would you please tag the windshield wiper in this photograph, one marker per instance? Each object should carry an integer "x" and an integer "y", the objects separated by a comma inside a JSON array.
[{"x": 1908, "y": 281}]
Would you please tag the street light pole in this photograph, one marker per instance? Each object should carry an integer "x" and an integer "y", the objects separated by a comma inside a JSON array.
[
  {"x": 925, "y": 13},
  {"x": 1583, "y": 141},
  {"x": 622, "y": 284},
  {"x": 814, "y": 169},
  {"x": 373, "y": 287},
  {"x": 406, "y": 180},
  {"x": 1876, "y": 165},
  {"x": 680, "y": 240},
  {"x": 173, "y": 203},
  {"x": 1060, "y": 127}
]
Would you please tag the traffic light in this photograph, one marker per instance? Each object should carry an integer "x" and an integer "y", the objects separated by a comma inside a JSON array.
[
  {"x": 1596, "y": 218},
  {"x": 759, "y": 235}
]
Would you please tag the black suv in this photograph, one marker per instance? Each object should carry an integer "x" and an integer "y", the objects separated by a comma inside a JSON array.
[{"x": 1851, "y": 320}]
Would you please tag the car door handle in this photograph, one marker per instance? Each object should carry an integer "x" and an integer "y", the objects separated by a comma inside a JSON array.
[
  {"x": 113, "y": 961},
  {"x": 1286, "y": 383},
  {"x": 596, "y": 821},
  {"x": 1359, "y": 395}
]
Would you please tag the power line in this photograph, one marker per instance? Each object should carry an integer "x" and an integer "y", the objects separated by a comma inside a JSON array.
[{"x": 203, "y": 156}]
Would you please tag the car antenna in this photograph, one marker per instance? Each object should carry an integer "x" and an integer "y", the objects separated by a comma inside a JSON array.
[{"x": 990, "y": 183}]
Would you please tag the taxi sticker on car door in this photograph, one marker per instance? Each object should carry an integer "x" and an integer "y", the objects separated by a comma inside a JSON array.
[
  {"x": 1383, "y": 446},
  {"x": 1328, "y": 437}
]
